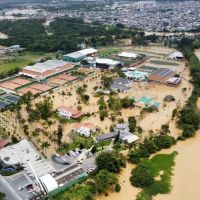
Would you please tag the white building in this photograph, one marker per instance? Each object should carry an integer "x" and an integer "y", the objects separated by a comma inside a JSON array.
[
  {"x": 85, "y": 129},
  {"x": 176, "y": 55},
  {"x": 128, "y": 55},
  {"x": 48, "y": 182},
  {"x": 69, "y": 112}
]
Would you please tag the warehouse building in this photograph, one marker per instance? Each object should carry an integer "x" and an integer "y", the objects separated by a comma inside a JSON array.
[
  {"x": 41, "y": 71},
  {"x": 161, "y": 75},
  {"x": 79, "y": 55}
]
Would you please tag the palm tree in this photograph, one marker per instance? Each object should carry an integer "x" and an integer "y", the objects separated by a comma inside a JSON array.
[
  {"x": 45, "y": 145},
  {"x": 69, "y": 94}
]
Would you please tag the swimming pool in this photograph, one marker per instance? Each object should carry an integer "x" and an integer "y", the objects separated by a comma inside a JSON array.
[{"x": 137, "y": 75}]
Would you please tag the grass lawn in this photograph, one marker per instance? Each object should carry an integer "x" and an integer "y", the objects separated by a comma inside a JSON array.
[
  {"x": 22, "y": 60},
  {"x": 160, "y": 62},
  {"x": 76, "y": 141},
  {"x": 103, "y": 52},
  {"x": 162, "y": 167},
  {"x": 78, "y": 192}
]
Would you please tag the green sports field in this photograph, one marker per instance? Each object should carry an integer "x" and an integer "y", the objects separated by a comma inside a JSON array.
[{"x": 22, "y": 60}]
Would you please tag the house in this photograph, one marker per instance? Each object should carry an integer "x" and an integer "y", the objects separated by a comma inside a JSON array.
[
  {"x": 67, "y": 112},
  {"x": 122, "y": 131},
  {"x": 85, "y": 129},
  {"x": 121, "y": 85}
]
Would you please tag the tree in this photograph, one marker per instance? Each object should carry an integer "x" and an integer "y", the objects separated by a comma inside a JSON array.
[
  {"x": 106, "y": 81},
  {"x": 2, "y": 196},
  {"x": 59, "y": 135},
  {"x": 188, "y": 131},
  {"x": 142, "y": 175},
  {"x": 44, "y": 109},
  {"x": 132, "y": 124},
  {"x": 111, "y": 161},
  {"x": 105, "y": 180},
  {"x": 45, "y": 145},
  {"x": 164, "y": 129}
]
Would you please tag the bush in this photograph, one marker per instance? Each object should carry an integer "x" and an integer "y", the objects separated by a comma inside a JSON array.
[{"x": 117, "y": 187}]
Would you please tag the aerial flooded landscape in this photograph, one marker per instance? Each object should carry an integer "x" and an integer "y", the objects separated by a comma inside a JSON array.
[{"x": 99, "y": 100}]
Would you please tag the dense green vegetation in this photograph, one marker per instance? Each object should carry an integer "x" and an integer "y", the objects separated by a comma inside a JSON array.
[
  {"x": 111, "y": 161},
  {"x": 153, "y": 175},
  {"x": 150, "y": 145},
  {"x": 189, "y": 116},
  {"x": 67, "y": 34}
]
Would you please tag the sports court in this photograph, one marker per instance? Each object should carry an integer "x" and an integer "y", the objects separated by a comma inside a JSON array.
[
  {"x": 61, "y": 79},
  {"x": 146, "y": 101},
  {"x": 35, "y": 88},
  {"x": 8, "y": 99},
  {"x": 14, "y": 83}
]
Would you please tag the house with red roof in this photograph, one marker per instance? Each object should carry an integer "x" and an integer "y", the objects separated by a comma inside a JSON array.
[{"x": 68, "y": 112}]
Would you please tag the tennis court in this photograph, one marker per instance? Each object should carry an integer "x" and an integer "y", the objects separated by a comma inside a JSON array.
[
  {"x": 161, "y": 62},
  {"x": 20, "y": 81},
  {"x": 9, "y": 85},
  {"x": 148, "y": 68},
  {"x": 27, "y": 89},
  {"x": 11, "y": 98},
  {"x": 40, "y": 87}
]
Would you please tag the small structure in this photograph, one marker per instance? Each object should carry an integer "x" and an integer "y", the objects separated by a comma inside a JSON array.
[
  {"x": 169, "y": 98},
  {"x": 174, "y": 81},
  {"x": 69, "y": 112},
  {"x": 85, "y": 129},
  {"x": 128, "y": 55},
  {"x": 176, "y": 55},
  {"x": 49, "y": 183}
]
